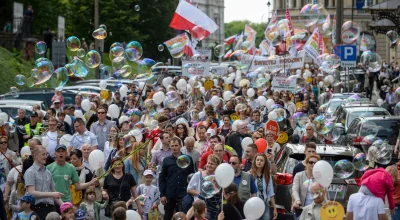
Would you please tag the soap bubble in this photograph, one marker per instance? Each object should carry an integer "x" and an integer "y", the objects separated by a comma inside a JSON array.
[
  {"x": 301, "y": 120},
  {"x": 99, "y": 34},
  {"x": 219, "y": 50},
  {"x": 103, "y": 26},
  {"x": 30, "y": 82},
  {"x": 92, "y": 59},
  {"x": 343, "y": 169},
  {"x": 360, "y": 162},
  {"x": 322, "y": 125},
  {"x": 209, "y": 185},
  {"x": 40, "y": 47},
  {"x": 133, "y": 51},
  {"x": 392, "y": 35},
  {"x": 371, "y": 61},
  {"x": 125, "y": 71},
  {"x": 59, "y": 78},
  {"x": 79, "y": 68},
  {"x": 198, "y": 32},
  {"x": 183, "y": 161},
  {"x": 81, "y": 53},
  {"x": 160, "y": 47},
  {"x": 350, "y": 32},
  {"x": 14, "y": 91},
  {"x": 73, "y": 43},
  {"x": 20, "y": 79},
  {"x": 119, "y": 62},
  {"x": 176, "y": 49},
  {"x": 137, "y": 8},
  {"x": 145, "y": 65},
  {"x": 116, "y": 44}
]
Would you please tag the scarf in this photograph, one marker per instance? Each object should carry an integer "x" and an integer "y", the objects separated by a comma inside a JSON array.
[
  {"x": 264, "y": 191},
  {"x": 82, "y": 176}
]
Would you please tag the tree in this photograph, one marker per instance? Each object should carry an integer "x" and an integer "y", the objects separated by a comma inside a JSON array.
[{"x": 237, "y": 27}]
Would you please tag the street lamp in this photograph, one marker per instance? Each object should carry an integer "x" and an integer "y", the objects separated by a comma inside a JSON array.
[{"x": 268, "y": 4}]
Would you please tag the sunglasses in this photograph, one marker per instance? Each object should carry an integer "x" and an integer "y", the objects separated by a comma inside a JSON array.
[
  {"x": 3, "y": 142},
  {"x": 312, "y": 162},
  {"x": 233, "y": 163},
  {"x": 101, "y": 113},
  {"x": 308, "y": 129},
  {"x": 257, "y": 138}
]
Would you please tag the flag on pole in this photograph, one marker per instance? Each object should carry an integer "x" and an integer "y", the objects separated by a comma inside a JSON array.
[
  {"x": 334, "y": 31},
  {"x": 289, "y": 44},
  {"x": 179, "y": 44},
  {"x": 320, "y": 43},
  {"x": 271, "y": 28},
  {"x": 363, "y": 45},
  {"x": 187, "y": 17},
  {"x": 230, "y": 39},
  {"x": 228, "y": 54},
  {"x": 239, "y": 41},
  {"x": 287, "y": 15}
]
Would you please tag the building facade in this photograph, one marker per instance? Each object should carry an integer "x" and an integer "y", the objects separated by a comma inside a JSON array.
[
  {"x": 215, "y": 10},
  {"x": 378, "y": 43}
]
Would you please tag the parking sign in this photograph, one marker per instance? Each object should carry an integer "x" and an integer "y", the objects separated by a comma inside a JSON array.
[{"x": 348, "y": 55}]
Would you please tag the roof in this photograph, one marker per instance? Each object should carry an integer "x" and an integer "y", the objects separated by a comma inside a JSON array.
[
  {"x": 377, "y": 117},
  {"x": 359, "y": 104},
  {"x": 339, "y": 95},
  {"x": 368, "y": 109},
  {"x": 323, "y": 149}
]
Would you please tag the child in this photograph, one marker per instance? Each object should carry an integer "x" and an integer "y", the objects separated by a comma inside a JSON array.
[
  {"x": 153, "y": 167},
  {"x": 90, "y": 206},
  {"x": 53, "y": 216},
  {"x": 15, "y": 197},
  {"x": 119, "y": 214},
  {"x": 149, "y": 193},
  {"x": 80, "y": 215},
  {"x": 179, "y": 216},
  {"x": 26, "y": 202},
  {"x": 199, "y": 209},
  {"x": 67, "y": 211},
  {"x": 58, "y": 96}
]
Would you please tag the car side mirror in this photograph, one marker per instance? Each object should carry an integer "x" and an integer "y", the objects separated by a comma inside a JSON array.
[{"x": 340, "y": 128}]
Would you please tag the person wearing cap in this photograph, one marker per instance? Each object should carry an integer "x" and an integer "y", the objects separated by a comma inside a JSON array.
[
  {"x": 67, "y": 210},
  {"x": 32, "y": 128},
  {"x": 151, "y": 193},
  {"x": 235, "y": 139},
  {"x": 80, "y": 214},
  {"x": 101, "y": 128},
  {"x": 82, "y": 136},
  {"x": 26, "y": 203},
  {"x": 57, "y": 105},
  {"x": 39, "y": 183},
  {"x": 64, "y": 174}
]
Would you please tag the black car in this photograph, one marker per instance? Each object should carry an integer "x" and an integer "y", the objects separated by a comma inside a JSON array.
[
  {"x": 292, "y": 154},
  {"x": 44, "y": 95}
]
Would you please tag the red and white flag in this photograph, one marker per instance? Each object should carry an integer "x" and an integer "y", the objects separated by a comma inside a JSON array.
[
  {"x": 228, "y": 54},
  {"x": 187, "y": 17},
  {"x": 189, "y": 50},
  {"x": 287, "y": 15},
  {"x": 230, "y": 39}
]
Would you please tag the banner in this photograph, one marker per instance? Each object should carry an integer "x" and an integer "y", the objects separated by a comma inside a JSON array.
[
  {"x": 264, "y": 48},
  {"x": 219, "y": 70},
  {"x": 280, "y": 83},
  {"x": 292, "y": 62},
  {"x": 312, "y": 46},
  {"x": 177, "y": 44},
  {"x": 271, "y": 30},
  {"x": 197, "y": 67}
]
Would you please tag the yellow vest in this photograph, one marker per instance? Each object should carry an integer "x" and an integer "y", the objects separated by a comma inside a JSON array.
[{"x": 35, "y": 132}]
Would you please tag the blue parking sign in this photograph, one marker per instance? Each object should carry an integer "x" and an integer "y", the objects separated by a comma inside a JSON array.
[{"x": 348, "y": 55}]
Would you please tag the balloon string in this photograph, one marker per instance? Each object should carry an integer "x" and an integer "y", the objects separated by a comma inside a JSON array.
[
  {"x": 334, "y": 198},
  {"x": 123, "y": 159}
]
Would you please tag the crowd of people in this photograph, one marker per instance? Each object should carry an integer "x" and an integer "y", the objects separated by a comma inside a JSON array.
[{"x": 143, "y": 148}]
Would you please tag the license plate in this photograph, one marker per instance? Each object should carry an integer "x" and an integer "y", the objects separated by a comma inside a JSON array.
[{"x": 335, "y": 188}]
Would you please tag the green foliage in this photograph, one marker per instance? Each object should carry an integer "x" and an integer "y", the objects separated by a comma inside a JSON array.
[
  {"x": 11, "y": 65},
  {"x": 237, "y": 27}
]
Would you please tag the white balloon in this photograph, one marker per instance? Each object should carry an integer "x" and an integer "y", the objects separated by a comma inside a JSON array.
[
  {"x": 188, "y": 88},
  {"x": 379, "y": 102},
  {"x": 68, "y": 119},
  {"x": 307, "y": 66},
  {"x": 234, "y": 125},
  {"x": 269, "y": 103},
  {"x": 78, "y": 114},
  {"x": 202, "y": 90},
  {"x": 3, "y": 116},
  {"x": 216, "y": 81},
  {"x": 215, "y": 101},
  {"x": 224, "y": 175},
  {"x": 25, "y": 151},
  {"x": 229, "y": 80},
  {"x": 323, "y": 173},
  {"x": 246, "y": 141},
  {"x": 113, "y": 110},
  {"x": 123, "y": 91},
  {"x": 230, "y": 69},
  {"x": 254, "y": 208},
  {"x": 306, "y": 74},
  {"x": 132, "y": 215},
  {"x": 321, "y": 84},
  {"x": 272, "y": 115},
  {"x": 103, "y": 84},
  {"x": 96, "y": 159},
  {"x": 66, "y": 139},
  {"x": 158, "y": 97},
  {"x": 181, "y": 85},
  {"x": 167, "y": 81},
  {"x": 123, "y": 118},
  {"x": 227, "y": 95},
  {"x": 85, "y": 105},
  {"x": 330, "y": 79},
  {"x": 161, "y": 208},
  {"x": 262, "y": 100},
  {"x": 251, "y": 92},
  {"x": 298, "y": 71},
  {"x": 45, "y": 142},
  {"x": 141, "y": 85}
]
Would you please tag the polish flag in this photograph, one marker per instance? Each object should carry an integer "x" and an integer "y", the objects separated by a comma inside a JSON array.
[
  {"x": 189, "y": 50},
  {"x": 187, "y": 17},
  {"x": 230, "y": 39},
  {"x": 228, "y": 54}
]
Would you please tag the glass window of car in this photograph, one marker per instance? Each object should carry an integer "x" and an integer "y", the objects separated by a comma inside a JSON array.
[
  {"x": 388, "y": 130},
  {"x": 333, "y": 105},
  {"x": 353, "y": 126},
  {"x": 354, "y": 115}
]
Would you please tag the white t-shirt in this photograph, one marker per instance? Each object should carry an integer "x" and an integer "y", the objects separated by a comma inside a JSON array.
[
  {"x": 90, "y": 211},
  {"x": 51, "y": 147},
  {"x": 365, "y": 207}
]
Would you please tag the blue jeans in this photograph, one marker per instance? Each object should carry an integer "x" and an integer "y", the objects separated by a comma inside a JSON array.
[
  {"x": 396, "y": 215},
  {"x": 265, "y": 216}
]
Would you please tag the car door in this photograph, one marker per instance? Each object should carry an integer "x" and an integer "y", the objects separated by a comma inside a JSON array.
[{"x": 352, "y": 132}]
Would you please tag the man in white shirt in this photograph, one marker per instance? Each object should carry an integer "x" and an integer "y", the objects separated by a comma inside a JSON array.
[
  {"x": 313, "y": 210},
  {"x": 52, "y": 136},
  {"x": 365, "y": 206}
]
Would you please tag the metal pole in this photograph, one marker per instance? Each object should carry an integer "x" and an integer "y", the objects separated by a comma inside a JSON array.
[
  {"x": 339, "y": 21},
  {"x": 97, "y": 43}
]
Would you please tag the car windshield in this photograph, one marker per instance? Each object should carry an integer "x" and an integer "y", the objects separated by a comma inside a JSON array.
[
  {"x": 384, "y": 129},
  {"x": 354, "y": 115},
  {"x": 333, "y": 106}
]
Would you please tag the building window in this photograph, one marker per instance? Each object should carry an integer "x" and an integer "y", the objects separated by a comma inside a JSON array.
[{"x": 369, "y": 3}]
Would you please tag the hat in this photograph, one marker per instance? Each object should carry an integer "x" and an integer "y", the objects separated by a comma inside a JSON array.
[
  {"x": 134, "y": 112},
  {"x": 56, "y": 101},
  {"x": 34, "y": 114},
  {"x": 80, "y": 214},
  {"x": 211, "y": 131},
  {"x": 148, "y": 172},
  {"x": 65, "y": 206},
  {"x": 28, "y": 198},
  {"x": 61, "y": 146}
]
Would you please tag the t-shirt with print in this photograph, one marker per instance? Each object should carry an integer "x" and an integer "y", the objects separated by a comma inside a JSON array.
[
  {"x": 63, "y": 177},
  {"x": 152, "y": 194},
  {"x": 90, "y": 211}
]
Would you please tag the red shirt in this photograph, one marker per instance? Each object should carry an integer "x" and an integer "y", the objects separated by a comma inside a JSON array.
[
  {"x": 203, "y": 159},
  {"x": 154, "y": 135}
]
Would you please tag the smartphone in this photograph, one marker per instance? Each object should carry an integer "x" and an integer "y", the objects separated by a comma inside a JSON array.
[{"x": 269, "y": 150}]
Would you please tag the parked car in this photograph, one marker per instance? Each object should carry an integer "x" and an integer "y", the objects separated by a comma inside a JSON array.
[
  {"x": 42, "y": 104},
  {"x": 292, "y": 154},
  {"x": 12, "y": 110},
  {"x": 349, "y": 114},
  {"x": 383, "y": 127},
  {"x": 44, "y": 95}
]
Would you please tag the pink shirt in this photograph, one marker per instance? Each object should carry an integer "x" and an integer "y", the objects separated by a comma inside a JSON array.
[{"x": 380, "y": 183}]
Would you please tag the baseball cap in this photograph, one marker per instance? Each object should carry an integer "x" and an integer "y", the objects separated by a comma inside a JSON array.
[
  {"x": 65, "y": 206},
  {"x": 211, "y": 131},
  {"x": 80, "y": 214},
  {"x": 28, "y": 198},
  {"x": 56, "y": 101},
  {"x": 148, "y": 172},
  {"x": 61, "y": 146},
  {"x": 34, "y": 114}
]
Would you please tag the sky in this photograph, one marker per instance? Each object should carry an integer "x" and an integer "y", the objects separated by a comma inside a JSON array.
[{"x": 252, "y": 10}]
